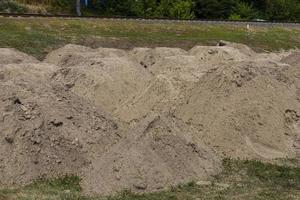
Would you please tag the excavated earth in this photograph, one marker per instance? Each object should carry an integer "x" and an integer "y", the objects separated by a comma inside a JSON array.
[{"x": 144, "y": 119}]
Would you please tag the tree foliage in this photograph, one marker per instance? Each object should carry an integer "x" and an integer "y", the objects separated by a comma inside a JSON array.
[
  {"x": 214, "y": 9},
  {"x": 286, "y": 10},
  {"x": 245, "y": 11}
]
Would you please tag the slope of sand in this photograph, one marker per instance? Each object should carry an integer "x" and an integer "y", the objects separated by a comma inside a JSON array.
[{"x": 144, "y": 119}]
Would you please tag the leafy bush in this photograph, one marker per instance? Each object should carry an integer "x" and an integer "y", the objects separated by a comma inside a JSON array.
[
  {"x": 214, "y": 9},
  {"x": 64, "y": 6},
  {"x": 283, "y": 10},
  {"x": 235, "y": 17},
  {"x": 163, "y": 8},
  {"x": 182, "y": 10},
  {"x": 9, "y": 6},
  {"x": 244, "y": 10}
]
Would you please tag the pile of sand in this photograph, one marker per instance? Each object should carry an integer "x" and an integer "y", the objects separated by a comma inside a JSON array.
[
  {"x": 105, "y": 77},
  {"x": 157, "y": 153},
  {"x": 45, "y": 128},
  {"x": 144, "y": 119},
  {"x": 8, "y": 56},
  {"x": 247, "y": 104}
]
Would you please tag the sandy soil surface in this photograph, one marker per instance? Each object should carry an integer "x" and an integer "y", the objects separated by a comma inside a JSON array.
[{"x": 147, "y": 118}]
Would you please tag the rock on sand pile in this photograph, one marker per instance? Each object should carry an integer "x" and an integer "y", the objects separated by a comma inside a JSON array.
[{"x": 144, "y": 119}]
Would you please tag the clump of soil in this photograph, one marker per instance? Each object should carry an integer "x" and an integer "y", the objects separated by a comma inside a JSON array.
[{"x": 146, "y": 118}]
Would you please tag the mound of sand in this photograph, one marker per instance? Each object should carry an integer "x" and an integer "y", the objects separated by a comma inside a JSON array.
[
  {"x": 45, "y": 129},
  {"x": 246, "y": 104},
  {"x": 104, "y": 76},
  {"x": 155, "y": 154},
  {"x": 8, "y": 56},
  {"x": 144, "y": 119}
]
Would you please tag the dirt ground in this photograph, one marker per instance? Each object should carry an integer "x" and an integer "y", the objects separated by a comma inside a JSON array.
[{"x": 147, "y": 118}]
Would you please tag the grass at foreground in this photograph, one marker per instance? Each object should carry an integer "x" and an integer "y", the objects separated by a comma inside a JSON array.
[
  {"x": 239, "y": 180},
  {"x": 38, "y": 36}
]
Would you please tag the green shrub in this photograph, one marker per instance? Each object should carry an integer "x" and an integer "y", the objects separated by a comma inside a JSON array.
[
  {"x": 235, "y": 16},
  {"x": 63, "y": 6},
  {"x": 9, "y": 6},
  {"x": 244, "y": 11},
  {"x": 288, "y": 10},
  {"x": 182, "y": 10}
]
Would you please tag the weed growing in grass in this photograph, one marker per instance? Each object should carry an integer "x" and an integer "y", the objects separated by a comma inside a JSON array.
[{"x": 71, "y": 183}]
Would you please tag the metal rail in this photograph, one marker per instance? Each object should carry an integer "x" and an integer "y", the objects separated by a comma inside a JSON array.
[{"x": 162, "y": 20}]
